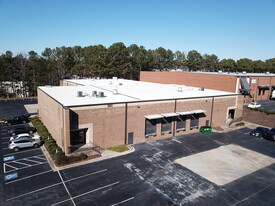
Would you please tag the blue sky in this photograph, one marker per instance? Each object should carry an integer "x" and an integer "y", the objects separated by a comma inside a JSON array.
[{"x": 228, "y": 28}]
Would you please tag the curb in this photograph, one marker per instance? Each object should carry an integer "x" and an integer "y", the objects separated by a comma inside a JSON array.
[{"x": 56, "y": 168}]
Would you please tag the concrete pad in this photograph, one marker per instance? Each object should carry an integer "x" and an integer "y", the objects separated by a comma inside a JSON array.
[
  {"x": 31, "y": 108},
  {"x": 226, "y": 163}
]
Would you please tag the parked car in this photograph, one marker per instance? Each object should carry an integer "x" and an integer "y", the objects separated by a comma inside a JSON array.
[
  {"x": 25, "y": 135},
  {"x": 254, "y": 105},
  {"x": 24, "y": 142},
  {"x": 270, "y": 135},
  {"x": 18, "y": 119},
  {"x": 20, "y": 130},
  {"x": 259, "y": 131}
]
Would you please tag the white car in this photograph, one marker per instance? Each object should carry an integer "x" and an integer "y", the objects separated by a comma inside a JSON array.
[
  {"x": 254, "y": 105},
  {"x": 35, "y": 137}
]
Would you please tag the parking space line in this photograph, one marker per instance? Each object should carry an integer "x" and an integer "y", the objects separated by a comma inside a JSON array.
[
  {"x": 176, "y": 140},
  {"x": 27, "y": 166},
  {"x": 39, "y": 157},
  {"x": 34, "y": 191},
  {"x": 14, "y": 168},
  {"x": 33, "y": 161},
  {"x": 100, "y": 188},
  {"x": 5, "y": 148},
  {"x": 21, "y": 163},
  {"x": 123, "y": 201},
  {"x": 17, "y": 180},
  {"x": 4, "y": 167},
  {"x": 54, "y": 185},
  {"x": 66, "y": 188},
  {"x": 21, "y": 152},
  {"x": 5, "y": 137}
]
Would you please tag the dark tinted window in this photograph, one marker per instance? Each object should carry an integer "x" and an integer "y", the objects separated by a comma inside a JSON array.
[
  {"x": 166, "y": 124},
  {"x": 150, "y": 127},
  {"x": 181, "y": 122},
  {"x": 194, "y": 120}
]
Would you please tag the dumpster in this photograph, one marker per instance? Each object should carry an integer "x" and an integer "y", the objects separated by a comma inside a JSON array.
[{"x": 206, "y": 130}]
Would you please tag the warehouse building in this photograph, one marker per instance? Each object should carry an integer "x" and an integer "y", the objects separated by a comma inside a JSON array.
[
  {"x": 254, "y": 86},
  {"x": 112, "y": 112}
]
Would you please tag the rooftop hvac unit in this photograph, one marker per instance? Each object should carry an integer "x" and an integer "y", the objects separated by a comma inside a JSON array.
[
  {"x": 114, "y": 78},
  {"x": 98, "y": 78},
  {"x": 267, "y": 73},
  {"x": 244, "y": 72},
  {"x": 94, "y": 93},
  {"x": 100, "y": 94},
  {"x": 115, "y": 91},
  {"x": 220, "y": 71},
  {"x": 79, "y": 94},
  {"x": 179, "y": 89},
  {"x": 48, "y": 86}
]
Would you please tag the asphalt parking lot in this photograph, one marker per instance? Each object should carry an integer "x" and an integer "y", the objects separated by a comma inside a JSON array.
[
  {"x": 148, "y": 176},
  {"x": 15, "y": 107}
]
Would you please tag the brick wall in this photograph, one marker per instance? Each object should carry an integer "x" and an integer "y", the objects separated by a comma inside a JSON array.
[{"x": 209, "y": 81}]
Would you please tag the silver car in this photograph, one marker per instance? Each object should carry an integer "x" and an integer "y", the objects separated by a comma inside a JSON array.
[{"x": 24, "y": 142}]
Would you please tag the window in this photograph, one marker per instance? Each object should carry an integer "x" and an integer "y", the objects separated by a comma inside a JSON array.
[
  {"x": 259, "y": 92},
  {"x": 150, "y": 127},
  {"x": 181, "y": 123},
  {"x": 194, "y": 122},
  {"x": 166, "y": 125}
]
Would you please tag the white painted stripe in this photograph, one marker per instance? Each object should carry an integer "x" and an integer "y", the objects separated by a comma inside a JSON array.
[
  {"x": 5, "y": 142},
  {"x": 33, "y": 161},
  {"x": 17, "y": 180},
  {"x": 15, "y": 168},
  {"x": 39, "y": 158},
  {"x": 123, "y": 201},
  {"x": 20, "y": 152},
  {"x": 27, "y": 166},
  {"x": 176, "y": 141},
  {"x": 86, "y": 175},
  {"x": 4, "y": 167},
  {"x": 5, "y": 148},
  {"x": 53, "y": 186},
  {"x": 21, "y": 163},
  {"x": 28, "y": 193},
  {"x": 66, "y": 188},
  {"x": 100, "y": 188}
]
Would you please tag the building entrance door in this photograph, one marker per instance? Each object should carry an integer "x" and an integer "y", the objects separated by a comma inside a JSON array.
[
  {"x": 231, "y": 113},
  {"x": 78, "y": 137}
]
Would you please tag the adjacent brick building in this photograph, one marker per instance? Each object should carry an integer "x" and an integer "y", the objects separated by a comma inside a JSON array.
[
  {"x": 259, "y": 86},
  {"x": 113, "y": 112}
]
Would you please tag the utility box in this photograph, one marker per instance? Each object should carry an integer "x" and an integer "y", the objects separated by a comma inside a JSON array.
[{"x": 206, "y": 130}]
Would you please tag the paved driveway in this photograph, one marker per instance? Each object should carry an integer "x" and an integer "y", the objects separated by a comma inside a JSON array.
[{"x": 150, "y": 176}]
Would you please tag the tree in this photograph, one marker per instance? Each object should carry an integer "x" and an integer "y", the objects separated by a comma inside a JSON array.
[
  {"x": 210, "y": 62},
  {"x": 244, "y": 64},
  {"x": 228, "y": 65},
  {"x": 194, "y": 60}
]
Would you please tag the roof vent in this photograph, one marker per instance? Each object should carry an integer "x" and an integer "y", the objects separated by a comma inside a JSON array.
[
  {"x": 115, "y": 91},
  {"x": 201, "y": 89},
  {"x": 80, "y": 94},
  {"x": 267, "y": 73},
  {"x": 94, "y": 93},
  {"x": 244, "y": 72},
  {"x": 120, "y": 84},
  {"x": 220, "y": 71},
  {"x": 114, "y": 78},
  {"x": 100, "y": 94},
  {"x": 179, "y": 89},
  {"x": 98, "y": 78}
]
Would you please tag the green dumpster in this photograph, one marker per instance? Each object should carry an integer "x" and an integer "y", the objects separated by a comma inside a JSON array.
[{"x": 206, "y": 130}]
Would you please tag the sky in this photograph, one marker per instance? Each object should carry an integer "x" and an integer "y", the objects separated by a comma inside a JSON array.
[{"x": 228, "y": 28}]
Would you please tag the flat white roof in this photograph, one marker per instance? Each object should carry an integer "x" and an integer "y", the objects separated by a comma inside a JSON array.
[{"x": 121, "y": 91}]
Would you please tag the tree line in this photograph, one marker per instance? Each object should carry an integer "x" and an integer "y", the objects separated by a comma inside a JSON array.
[{"x": 32, "y": 70}]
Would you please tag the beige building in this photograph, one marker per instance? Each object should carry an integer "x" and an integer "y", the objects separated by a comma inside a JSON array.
[{"x": 113, "y": 112}]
